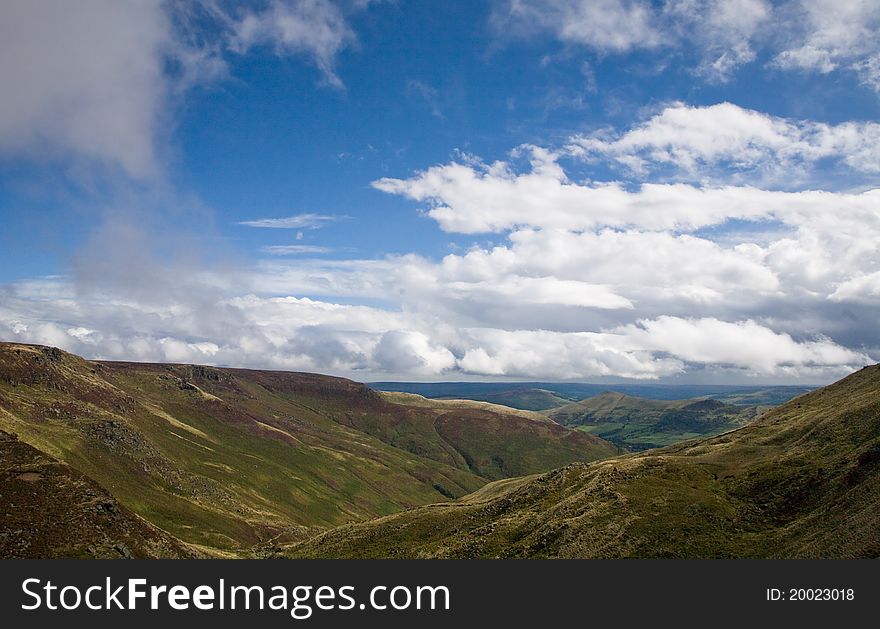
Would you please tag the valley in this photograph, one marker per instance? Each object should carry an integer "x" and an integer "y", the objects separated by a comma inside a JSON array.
[
  {"x": 636, "y": 424},
  {"x": 803, "y": 480},
  {"x": 232, "y": 461},
  {"x": 110, "y": 459}
]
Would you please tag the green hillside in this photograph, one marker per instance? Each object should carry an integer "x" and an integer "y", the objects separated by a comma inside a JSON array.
[
  {"x": 635, "y": 423},
  {"x": 38, "y": 493},
  {"x": 231, "y": 460},
  {"x": 801, "y": 481},
  {"x": 495, "y": 446},
  {"x": 526, "y": 399}
]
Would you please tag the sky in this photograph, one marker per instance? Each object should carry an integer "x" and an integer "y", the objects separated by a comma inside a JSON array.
[{"x": 667, "y": 190}]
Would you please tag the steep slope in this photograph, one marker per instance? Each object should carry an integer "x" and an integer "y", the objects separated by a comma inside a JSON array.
[
  {"x": 802, "y": 481},
  {"x": 636, "y": 423},
  {"x": 37, "y": 492},
  {"x": 232, "y": 459},
  {"x": 498, "y": 442}
]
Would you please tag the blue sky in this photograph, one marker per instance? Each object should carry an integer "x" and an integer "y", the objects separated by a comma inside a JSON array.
[{"x": 679, "y": 190}]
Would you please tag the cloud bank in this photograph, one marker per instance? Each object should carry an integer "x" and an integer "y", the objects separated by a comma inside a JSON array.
[{"x": 590, "y": 279}]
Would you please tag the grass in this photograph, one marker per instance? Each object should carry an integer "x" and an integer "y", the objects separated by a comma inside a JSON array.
[
  {"x": 636, "y": 424},
  {"x": 232, "y": 460},
  {"x": 802, "y": 481}
]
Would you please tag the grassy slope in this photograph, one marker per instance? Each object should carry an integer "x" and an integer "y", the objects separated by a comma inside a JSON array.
[
  {"x": 802, "y": 481},
  {"x": 498, "y": 442},
  {"x": 233, "y": 459},
  {"x": 38, "y": 491},
  {"x": 638, "y": 424},
  {"x": 525, "y": 399}
]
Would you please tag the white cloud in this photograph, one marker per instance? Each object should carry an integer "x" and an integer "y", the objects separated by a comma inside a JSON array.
[
  {"x": 525, "y": 353},
  {"x": 651, "y": 349},
  {"x": 698, "y": 140},
  {"x": 299, "y": 221},
  {"x": 720, "y": 31},
  {"x": 289, "y": 250},
  {"x": 869, "y": 71},
  {"x": 744, "y": 344},
  {"x": 315, "y": 27},
  {"x": 406, "y": 351},
  {"x": 824, "y": 35},
  {"x": 861, "y": 288},
  {"x": 95, "y": 82},
  {"x": 806, "y": 57},
  {"x": 300, "y": 333},
  {"x": 477, "y": 198},
  {"x": 539, "y": 290},
  {"x": 590, "y": 278},
  {"x": 804, "y": 35},
  {"x": 607, "y": 25},
  {"x": 85, "y": 79},
  {"x": 723, "y": 30}
]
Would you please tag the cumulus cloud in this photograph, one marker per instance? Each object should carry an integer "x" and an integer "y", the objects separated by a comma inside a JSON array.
[
  {"x": 724, "y": 137},
  {"x": 708, "y": 271},
  {"x": 404, "y": 351},
  {"x": 547, "y": 304},
  {"x": 476, "y": 198},
  {"x": 861, "y": 288},
  {"x": 300, "y": 333},
  {"x": 742, "y": 344},
  {"x": 651, "y": 349}
]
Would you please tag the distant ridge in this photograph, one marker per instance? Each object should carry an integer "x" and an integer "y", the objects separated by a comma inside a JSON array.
[
  {"x": 638, "y": 423},
  {"x": 554, "y": 394}
]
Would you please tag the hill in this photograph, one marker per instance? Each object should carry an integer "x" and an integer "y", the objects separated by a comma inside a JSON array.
[
  {"x": 801, "y": 481},
  {"x": 497, "y": 446},
  {"x": 541, "y": 396},
  {"x": 229, "y": 460},
  {"x": 635, "y": 423},
  {"x": 37, "y": 492},
  {"x": 525, "y": 399}
]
